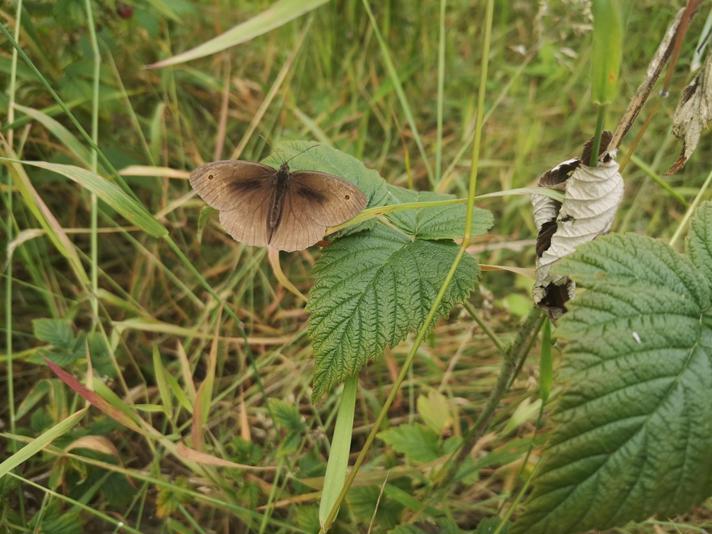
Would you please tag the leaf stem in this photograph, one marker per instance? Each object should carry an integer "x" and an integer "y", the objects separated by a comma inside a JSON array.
[
  {"x": 485, "y": 327},
  {"x": 444, "y": 286}
]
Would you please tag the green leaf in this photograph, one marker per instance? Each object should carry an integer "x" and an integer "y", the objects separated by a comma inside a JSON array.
[
  {"x": 699, "y": 242},
  {"x": 441, "y": 222},
  {"x": 100, "y": 355},
  {"x": 339, "y": 452},
  {"x": 278, "y": 14},
  {"x": 415, "y": 441},
  {"x": 632, "y": 434},
  {"x": 435, "y": 411},
  {"x": 40, "y": 442},
  {"x": 56, "y": 332},
  {"x": 490, "y": 526},
  {"x": 358, "y": 308},
  {"x": 369, "y": 502},
  {"x": 607, "y": 49},
  {"x": 286, "y": 415}
]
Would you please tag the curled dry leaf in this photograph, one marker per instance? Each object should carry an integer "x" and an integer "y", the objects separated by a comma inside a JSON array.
[
  {"x": 100, "y": 444},
  {"x": 693, "y": 114},
  {"x": 591, "y": 199}
]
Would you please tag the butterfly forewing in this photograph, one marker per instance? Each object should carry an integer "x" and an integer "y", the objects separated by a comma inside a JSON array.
[
  {"x": 224, "y": 185},
  {"x": 314, "y": 201}
]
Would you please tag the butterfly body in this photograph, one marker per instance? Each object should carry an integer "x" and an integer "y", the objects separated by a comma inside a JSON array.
[{"x": 263, "y": 206}]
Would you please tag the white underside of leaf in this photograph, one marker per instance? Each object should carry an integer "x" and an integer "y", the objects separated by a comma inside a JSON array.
[{"x": 591, "y": 199}]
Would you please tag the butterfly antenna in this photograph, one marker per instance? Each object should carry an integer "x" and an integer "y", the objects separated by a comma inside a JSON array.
[{"x": 302, "y": 152}]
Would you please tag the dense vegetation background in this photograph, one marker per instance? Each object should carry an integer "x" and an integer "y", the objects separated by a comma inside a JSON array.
[{"x": 322, "y": 77}]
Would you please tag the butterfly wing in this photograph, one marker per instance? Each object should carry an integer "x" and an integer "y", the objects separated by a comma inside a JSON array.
[
  {"x": 314, "y": 201},
  {"x": 224, "y": 184},
  {"x": 243, "y": 192}
]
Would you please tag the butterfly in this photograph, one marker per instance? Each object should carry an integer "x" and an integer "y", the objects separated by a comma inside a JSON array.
[{"x": 263, "y": 206}]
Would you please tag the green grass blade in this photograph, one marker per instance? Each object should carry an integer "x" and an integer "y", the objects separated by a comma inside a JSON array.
[
  {"x": 9, "y": 232},
  {"x": 60, "y": 132},
  {"x": 107, "y": 191},
  {"x": 277, "y": 15},
  {"x": 163, "y": 388},
  {"x": 339, "y": 452},
  {"x": 40, "y": 442},
  {"x": 607, "y": 50}
]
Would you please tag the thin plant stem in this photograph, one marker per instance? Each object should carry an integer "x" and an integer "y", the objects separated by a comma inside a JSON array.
[
  {"x": 94, "y": 241},
  {"x": 443, "y": 288},
  {"x": 440, "y": 97},
  {"x": 600, "y": 119},
  {"x": 9, "y": 236},
  {"x": 485, "y": 327}
]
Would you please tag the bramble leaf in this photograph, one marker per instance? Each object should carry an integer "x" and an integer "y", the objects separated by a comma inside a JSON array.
[
  {"x": 699, "y": 242},
  {"x": 632, "y": 434},
  {"x": 370, "y": 290}
]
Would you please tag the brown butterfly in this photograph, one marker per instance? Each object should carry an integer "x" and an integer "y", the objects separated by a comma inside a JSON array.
[{"x": 263, "y": 206}]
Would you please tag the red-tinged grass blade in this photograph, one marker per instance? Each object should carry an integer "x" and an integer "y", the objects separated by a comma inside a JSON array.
[
  {"x": 204, "y": 458},
  {"x": 92, "y": 398}
]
